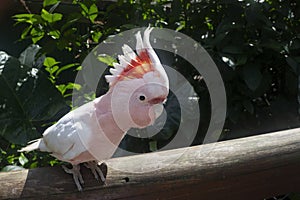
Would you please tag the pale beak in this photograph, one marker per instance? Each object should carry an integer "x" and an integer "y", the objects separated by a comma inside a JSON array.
[{"x": 157, "y": 100}]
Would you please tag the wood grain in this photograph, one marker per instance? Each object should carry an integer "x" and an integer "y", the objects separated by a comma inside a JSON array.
[{"x": 249, "y": 168}]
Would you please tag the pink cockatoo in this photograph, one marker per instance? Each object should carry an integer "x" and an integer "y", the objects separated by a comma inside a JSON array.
[{"x": 138, "y": 87}]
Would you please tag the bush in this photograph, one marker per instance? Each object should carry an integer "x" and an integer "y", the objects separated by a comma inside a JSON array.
[{"x": 255, "y": 45}]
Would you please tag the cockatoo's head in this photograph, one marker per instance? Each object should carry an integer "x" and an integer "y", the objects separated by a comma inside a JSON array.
[{"x": 139, "y": 85}]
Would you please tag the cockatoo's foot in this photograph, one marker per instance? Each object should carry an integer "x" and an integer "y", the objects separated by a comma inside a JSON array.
[
  {"x": 76, "y": 175},
  {"x": 95, "y": 168}
]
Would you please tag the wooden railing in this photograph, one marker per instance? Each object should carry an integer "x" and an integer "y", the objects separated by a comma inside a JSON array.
[{"x": 249, "y": 168}]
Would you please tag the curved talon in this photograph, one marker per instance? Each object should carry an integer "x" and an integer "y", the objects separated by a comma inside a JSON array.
[{"x": 75, "y": 171}]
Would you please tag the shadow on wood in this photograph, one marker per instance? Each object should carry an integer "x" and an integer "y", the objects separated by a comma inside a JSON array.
[{"x": 250, "y": 168}]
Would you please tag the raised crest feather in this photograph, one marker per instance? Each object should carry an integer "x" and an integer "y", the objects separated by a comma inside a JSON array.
[{"x": 132, "y": 65}]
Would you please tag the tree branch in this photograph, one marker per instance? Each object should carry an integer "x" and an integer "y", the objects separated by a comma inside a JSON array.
[{"x": 249, "y": 168}]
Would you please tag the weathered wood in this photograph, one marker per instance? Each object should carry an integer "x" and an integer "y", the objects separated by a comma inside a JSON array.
[{"x": 249, "y": 168}]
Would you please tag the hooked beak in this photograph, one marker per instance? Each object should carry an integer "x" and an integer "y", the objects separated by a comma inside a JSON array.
[{"x": 158, "y": 100}]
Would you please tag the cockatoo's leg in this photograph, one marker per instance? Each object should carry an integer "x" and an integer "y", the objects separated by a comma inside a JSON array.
[
  {"x": 93, "y": 165},
  {"x": 76, "y": 175}
]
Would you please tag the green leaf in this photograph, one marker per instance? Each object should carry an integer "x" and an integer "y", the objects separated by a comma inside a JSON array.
[
  {"x": 181, "y": 26},
  {"x": 76, "y": 86},
  {"x": 70, "y": 86},
  {"x": 51, "y": 17},
  {"x": 53, "y": 162},
  {"x": 50, "y": 62},
  {"x": 79, "y": 68},
  {"x": 106, "y": 59},
  {"x": 56, "y": 17},
  {"x": 66, "y": 67},
  {"x": 22, "y": 159},
  {"x": 93, "y": 12},
  {"x": 84, "y": 8},
  {"x": 25, "y": 32},
  {"x": 36, "y": 35},
  {"x": 25, "y": 18},
  {"x": 55, "y": 34},
  {"x": 61, "y": 88},
  {"x": 252, "y": 75},
  {"x": 49, "y": 2},
  {"x": 96, "y": 35},
  {"x": 28, "y": 98},
  {"x": 53, "y": 69}
]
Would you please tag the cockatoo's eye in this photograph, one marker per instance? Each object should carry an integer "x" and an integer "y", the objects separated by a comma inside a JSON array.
[{"x": 142, "y": 97}]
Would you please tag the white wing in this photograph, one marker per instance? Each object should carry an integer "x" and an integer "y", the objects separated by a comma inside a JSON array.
[
  {"x": 77, "y": 137},
  {"x": 63, "y": 138}
]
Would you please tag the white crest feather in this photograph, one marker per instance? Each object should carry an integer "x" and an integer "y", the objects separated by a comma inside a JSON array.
[
  {"x": 118, "y": 66},
  {"x": 123, "y": 61},
  {"x": 113, "y": 71},
  {"x": 147, "y": 45},
  {"x": 128, "y": 52},
  {"x": 143, "y": 46},
  {"x": 139, "y": 42},
  {"x": 110, "y": 78}
]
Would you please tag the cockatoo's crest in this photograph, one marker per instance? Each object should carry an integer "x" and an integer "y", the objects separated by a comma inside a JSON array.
[{"x": 132, "y": 65}]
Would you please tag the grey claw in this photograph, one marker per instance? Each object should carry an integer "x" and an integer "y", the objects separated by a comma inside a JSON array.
[
  {"x": 93, "y": 165},
  {"x": 75, "y": 171}
]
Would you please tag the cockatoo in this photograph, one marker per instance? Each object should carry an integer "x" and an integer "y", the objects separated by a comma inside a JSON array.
[{"x": 138, "y": 87}]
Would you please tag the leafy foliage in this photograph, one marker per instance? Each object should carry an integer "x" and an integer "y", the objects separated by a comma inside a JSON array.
[
  {"x": 254, "y": 43},
  {"x": 24, "y": 104}
]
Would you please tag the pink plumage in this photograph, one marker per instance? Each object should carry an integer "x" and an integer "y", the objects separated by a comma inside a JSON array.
[{"x": 138, "y": 87}]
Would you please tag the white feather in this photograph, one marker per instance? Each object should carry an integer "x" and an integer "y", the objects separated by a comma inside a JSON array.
[
  {"x": 128, "y": 52},
  {"x": 35, "y": 145},
  {"x": 123, "y": 61},
  {"x": 147, "y": 45},
  {"x": 117, "y": 65},
  {"x": 139, "y": 42},
  {"x": 146, "y": 39},
  {"x": 75, "y": 133},
  {"x": 142, "y": 43},
  {"x": 110, "y": 78},
  {"x": 113, "y": 71}
]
